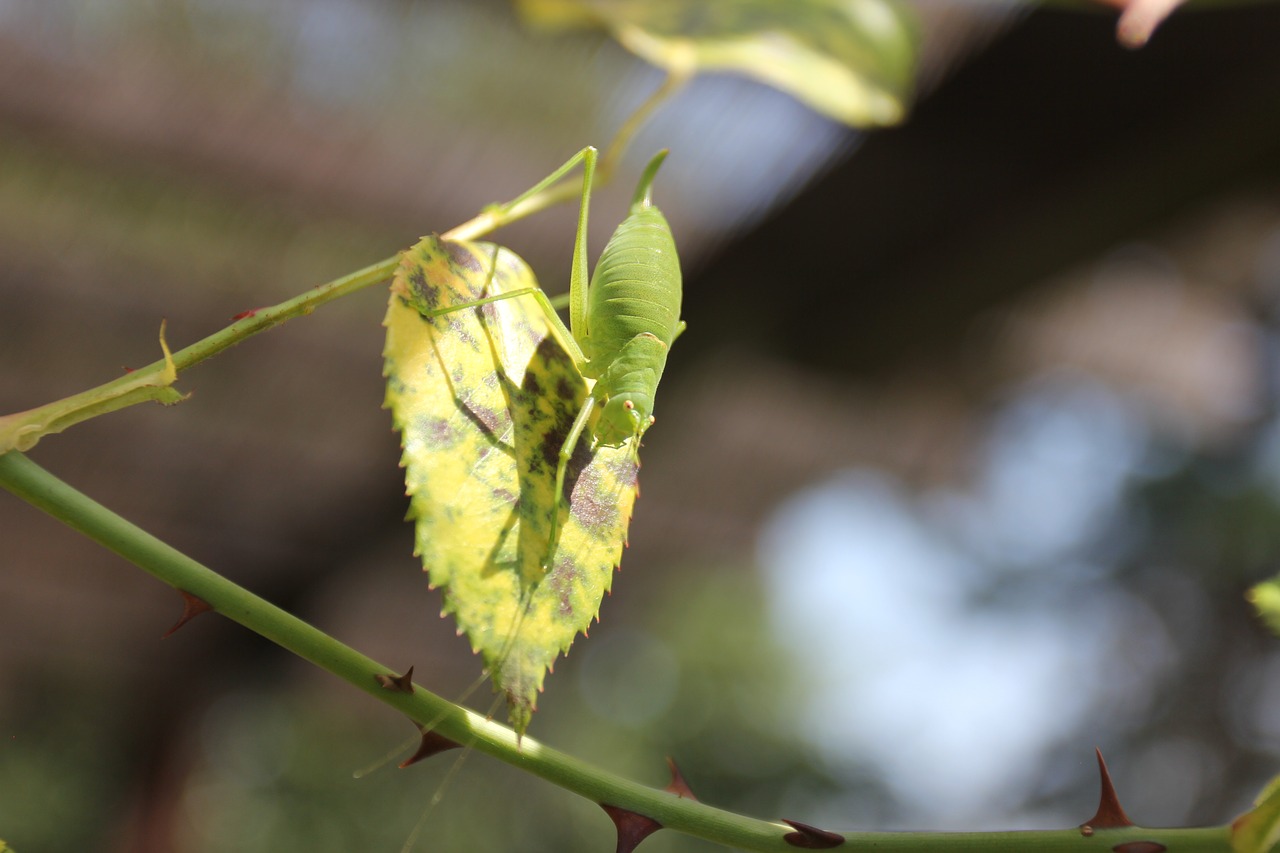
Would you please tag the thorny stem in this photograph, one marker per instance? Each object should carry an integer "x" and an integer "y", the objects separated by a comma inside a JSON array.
[
  {"x": 27, "y": 480},
  {"x": 91, "y": 403}
]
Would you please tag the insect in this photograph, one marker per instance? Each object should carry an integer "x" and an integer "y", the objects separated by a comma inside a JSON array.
[{"x": 621, "y": 324}]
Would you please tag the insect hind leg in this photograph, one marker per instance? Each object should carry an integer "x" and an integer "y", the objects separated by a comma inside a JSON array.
[{"x": 562, "y": 468}]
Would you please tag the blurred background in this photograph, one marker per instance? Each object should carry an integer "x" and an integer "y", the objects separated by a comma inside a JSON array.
[{"x": 962, "y": 469}]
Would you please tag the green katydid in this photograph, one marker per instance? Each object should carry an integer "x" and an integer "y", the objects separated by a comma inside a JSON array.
[{"x": 621, "y": 324}]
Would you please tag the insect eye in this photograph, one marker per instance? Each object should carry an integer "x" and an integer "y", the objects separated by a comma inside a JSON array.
[{"x": 628, "y": 405}]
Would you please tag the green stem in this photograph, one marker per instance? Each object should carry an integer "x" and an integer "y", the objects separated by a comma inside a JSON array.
[
  {"x": 22, "y": 430},
  {"x": 27, "y": 480}
]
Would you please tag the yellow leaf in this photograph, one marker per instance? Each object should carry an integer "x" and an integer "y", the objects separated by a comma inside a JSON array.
[{"x": 483, "y": 398}]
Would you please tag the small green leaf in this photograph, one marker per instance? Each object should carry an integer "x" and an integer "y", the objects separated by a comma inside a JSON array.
[
  {"x": 483, "y": 398},
  {"x": 1265, "y": 597},
  {"x": 852, "y": 60},
  {"x": 1258, "y": 830}
]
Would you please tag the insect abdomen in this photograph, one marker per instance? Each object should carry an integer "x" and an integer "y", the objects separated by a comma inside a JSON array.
[{"x": 636, "y": 287}]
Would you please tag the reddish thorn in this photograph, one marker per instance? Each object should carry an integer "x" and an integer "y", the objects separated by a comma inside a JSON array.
[
  {"x": 398, "y": 683},
  {"x": 433, "y": 743},
  {"x": 678, "y": 786},
  {"x": 244, "y": 314},
  {"x": 191, "y": 608},
  {"x": 1109, "y": 815},
  {"x": 810, "y": 837},
  {"x": 632, "y": 827},
  {"x": 126, "y": 368},
  {"x": 1140, "y": 847}
]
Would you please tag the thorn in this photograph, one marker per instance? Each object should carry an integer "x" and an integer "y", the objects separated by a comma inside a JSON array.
[
  {"x": 244, "y": 314},
  {"x": 810, "y": 837},
  {"x": 433, "y": 743},
  {"x": 1109, "y": 815},
  {"x": 192, "y": 606},
  {"x": 398, "y": 683},
  {"x": 678, "y": 786},
  {"x": 632, "y": 827},
  {"x": 1140, "y": 847}
]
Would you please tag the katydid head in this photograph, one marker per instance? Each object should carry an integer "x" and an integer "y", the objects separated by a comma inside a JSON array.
[{"x": 623, "y": 417}]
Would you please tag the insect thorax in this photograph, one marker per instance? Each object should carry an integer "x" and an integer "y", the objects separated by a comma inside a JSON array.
[{"x": 632, "y": 378}]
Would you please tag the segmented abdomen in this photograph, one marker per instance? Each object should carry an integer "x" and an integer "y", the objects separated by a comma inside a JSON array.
[{"x": 636, "y": 287}]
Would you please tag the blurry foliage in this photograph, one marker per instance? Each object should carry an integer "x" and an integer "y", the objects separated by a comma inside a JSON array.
[
  {"x": 853, "y": 60},
  {"x": 61, "y": 763}
]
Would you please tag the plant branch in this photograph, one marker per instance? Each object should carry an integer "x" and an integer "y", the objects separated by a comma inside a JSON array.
[
  {"x": 27, "y": 480},
  {"x": 22, "y": 430}
]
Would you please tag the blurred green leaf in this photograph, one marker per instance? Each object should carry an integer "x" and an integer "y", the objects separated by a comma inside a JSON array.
[
  {"x": 1258, "y": 830},
  {"x": 484, "y": 399},
  {"x": 852, "y": 60},
  {"x": 1265, "y": 597}
]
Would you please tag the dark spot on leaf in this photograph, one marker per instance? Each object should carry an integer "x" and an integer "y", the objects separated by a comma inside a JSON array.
[
  {"x": 423, "y": 292},
  {"x": 591, "y": 505},
  {"x": 565, "y": 389},
  {"x": 555, "y": 356},
  {"x": 461, "y": 256},
  {"x": 564, "y": 580},
  {"x": 485, "y": 418},
  {"x": 553, "y": 442},
  {"x": 437, "y": 431}
]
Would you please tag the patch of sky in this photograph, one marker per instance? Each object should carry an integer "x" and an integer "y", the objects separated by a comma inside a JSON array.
[{"x": 882, "y": 596}]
